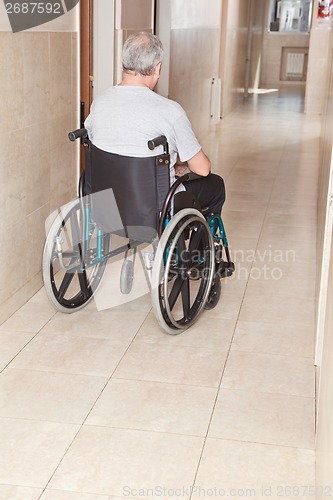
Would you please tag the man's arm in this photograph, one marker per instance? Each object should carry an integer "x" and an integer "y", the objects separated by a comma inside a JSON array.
[{"x": 199, "y": 164}]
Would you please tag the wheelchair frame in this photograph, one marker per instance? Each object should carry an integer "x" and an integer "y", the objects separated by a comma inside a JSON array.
[{"x": 188, "y": 251}]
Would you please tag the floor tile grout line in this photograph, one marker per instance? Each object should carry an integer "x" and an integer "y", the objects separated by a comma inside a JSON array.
[
  {"x": 101, "y": 392},
  {"x": 219, "y": 389},
  {"x": 32, "y": 338},
  {"x": 261, "y": 443},
  {"x": 217, "y": 395},
  {"x": 162, "y": 346}
]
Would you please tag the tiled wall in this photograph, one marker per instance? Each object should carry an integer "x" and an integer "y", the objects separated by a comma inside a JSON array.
[
  {"x": 326, "y": 89},
  {"x": 130, "y": 16},
  {"x": 271, "y": 64},
  {"x": 317, "y": 43},
  {"x": 233, "y": 53},
  {"x": 206, "y": 43},
  {"x": 272, "y": 51},
  {"x": 324, "y": 446},
  {"x": 38, "y": 88},
  {"x": 258, "y": 29},
  {"x": 319, "y": 60},
  {"x": 194, "y": 58}
]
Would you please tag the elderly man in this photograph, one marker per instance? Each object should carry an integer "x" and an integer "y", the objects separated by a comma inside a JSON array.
[{"x": 126, "y": 116}]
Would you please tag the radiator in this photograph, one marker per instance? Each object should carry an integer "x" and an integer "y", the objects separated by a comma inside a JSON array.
[
  {"x": 295, "y": 64},
  {"x": 294, "y": 61}
]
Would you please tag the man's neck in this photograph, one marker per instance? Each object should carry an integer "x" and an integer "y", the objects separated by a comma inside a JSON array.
[
  {"x": 132, "y": 79},
  {"x": 136, "y": 80}
]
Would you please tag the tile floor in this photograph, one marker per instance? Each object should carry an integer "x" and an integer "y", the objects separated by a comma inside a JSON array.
[{"x": 101, "y": 404}]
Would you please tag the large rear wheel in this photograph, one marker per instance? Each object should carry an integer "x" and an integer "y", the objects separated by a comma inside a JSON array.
[
  {"x": 183, "y": 271},
  {"x": 72, "y": 273}
]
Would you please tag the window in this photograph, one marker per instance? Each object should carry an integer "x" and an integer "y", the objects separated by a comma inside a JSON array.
[{"x": 290, "y": 16}]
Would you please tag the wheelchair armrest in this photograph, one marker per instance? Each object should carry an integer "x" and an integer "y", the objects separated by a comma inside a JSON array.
[
  {"x": 80, "y": 133},
  {"x": 189, "y": 176}
]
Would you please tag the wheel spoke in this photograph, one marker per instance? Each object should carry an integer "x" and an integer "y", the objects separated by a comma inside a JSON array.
[
  {"x": 183, "y": 252},
  {"x": 75, "y": 229},
  {"x": 175, "y": 291},
  {"x": 67, "y": 280},
  {"x": 186, "y": 298},
  {"x": 85, "y": 289},
  {"x": 195, "y": 239}
]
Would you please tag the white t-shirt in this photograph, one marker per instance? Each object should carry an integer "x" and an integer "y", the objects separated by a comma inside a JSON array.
[{"x": 124, "y": 118}]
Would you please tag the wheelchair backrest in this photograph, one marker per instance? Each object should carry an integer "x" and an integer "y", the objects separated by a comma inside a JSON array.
[{"x": 139, "y": 186}]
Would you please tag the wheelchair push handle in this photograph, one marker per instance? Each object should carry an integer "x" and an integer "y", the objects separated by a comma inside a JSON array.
[
  {"x": 158, "y": 141},
  {"x": 79, "y": 133}
]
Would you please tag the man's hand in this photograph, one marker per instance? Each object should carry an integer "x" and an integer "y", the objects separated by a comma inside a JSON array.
[{"x": 181, "y": 168}]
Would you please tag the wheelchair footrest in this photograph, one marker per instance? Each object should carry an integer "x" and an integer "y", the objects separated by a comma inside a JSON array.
[{"x": 225, "y": 269}]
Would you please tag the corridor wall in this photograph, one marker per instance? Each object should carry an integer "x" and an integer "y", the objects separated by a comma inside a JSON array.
[
  {"x": 324, "y": 441},
  {"x": 210, "y": 43},
  {"x": 233, "y": 53},
  {"x": 320, "y": 57},
  {"x": 273, "y": 43},
  {"x": 38, "y": 86},
  {"x": 194, "y": 58}
]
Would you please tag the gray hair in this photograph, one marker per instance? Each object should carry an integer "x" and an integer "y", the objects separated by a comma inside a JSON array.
[{"x": 142, "y": 52}]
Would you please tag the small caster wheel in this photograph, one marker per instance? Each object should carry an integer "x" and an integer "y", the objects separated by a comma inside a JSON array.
[{"x": 126, "y": 276}]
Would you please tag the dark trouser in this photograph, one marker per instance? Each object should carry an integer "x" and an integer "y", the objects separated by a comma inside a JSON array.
[{"x": 208, "y": 191}]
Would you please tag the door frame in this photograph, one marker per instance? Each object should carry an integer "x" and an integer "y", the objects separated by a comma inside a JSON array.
[
  {"x": 86, "y": 57},
  {"x": 162, "y": 28}
]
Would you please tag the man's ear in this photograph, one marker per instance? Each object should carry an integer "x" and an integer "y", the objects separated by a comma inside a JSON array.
[
  {"x": 157, "y": 70},
  {"x": 121, "y": 64}
]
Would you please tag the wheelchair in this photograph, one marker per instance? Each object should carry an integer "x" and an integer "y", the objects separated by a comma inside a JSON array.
[{"x": 129, "y": 199}]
